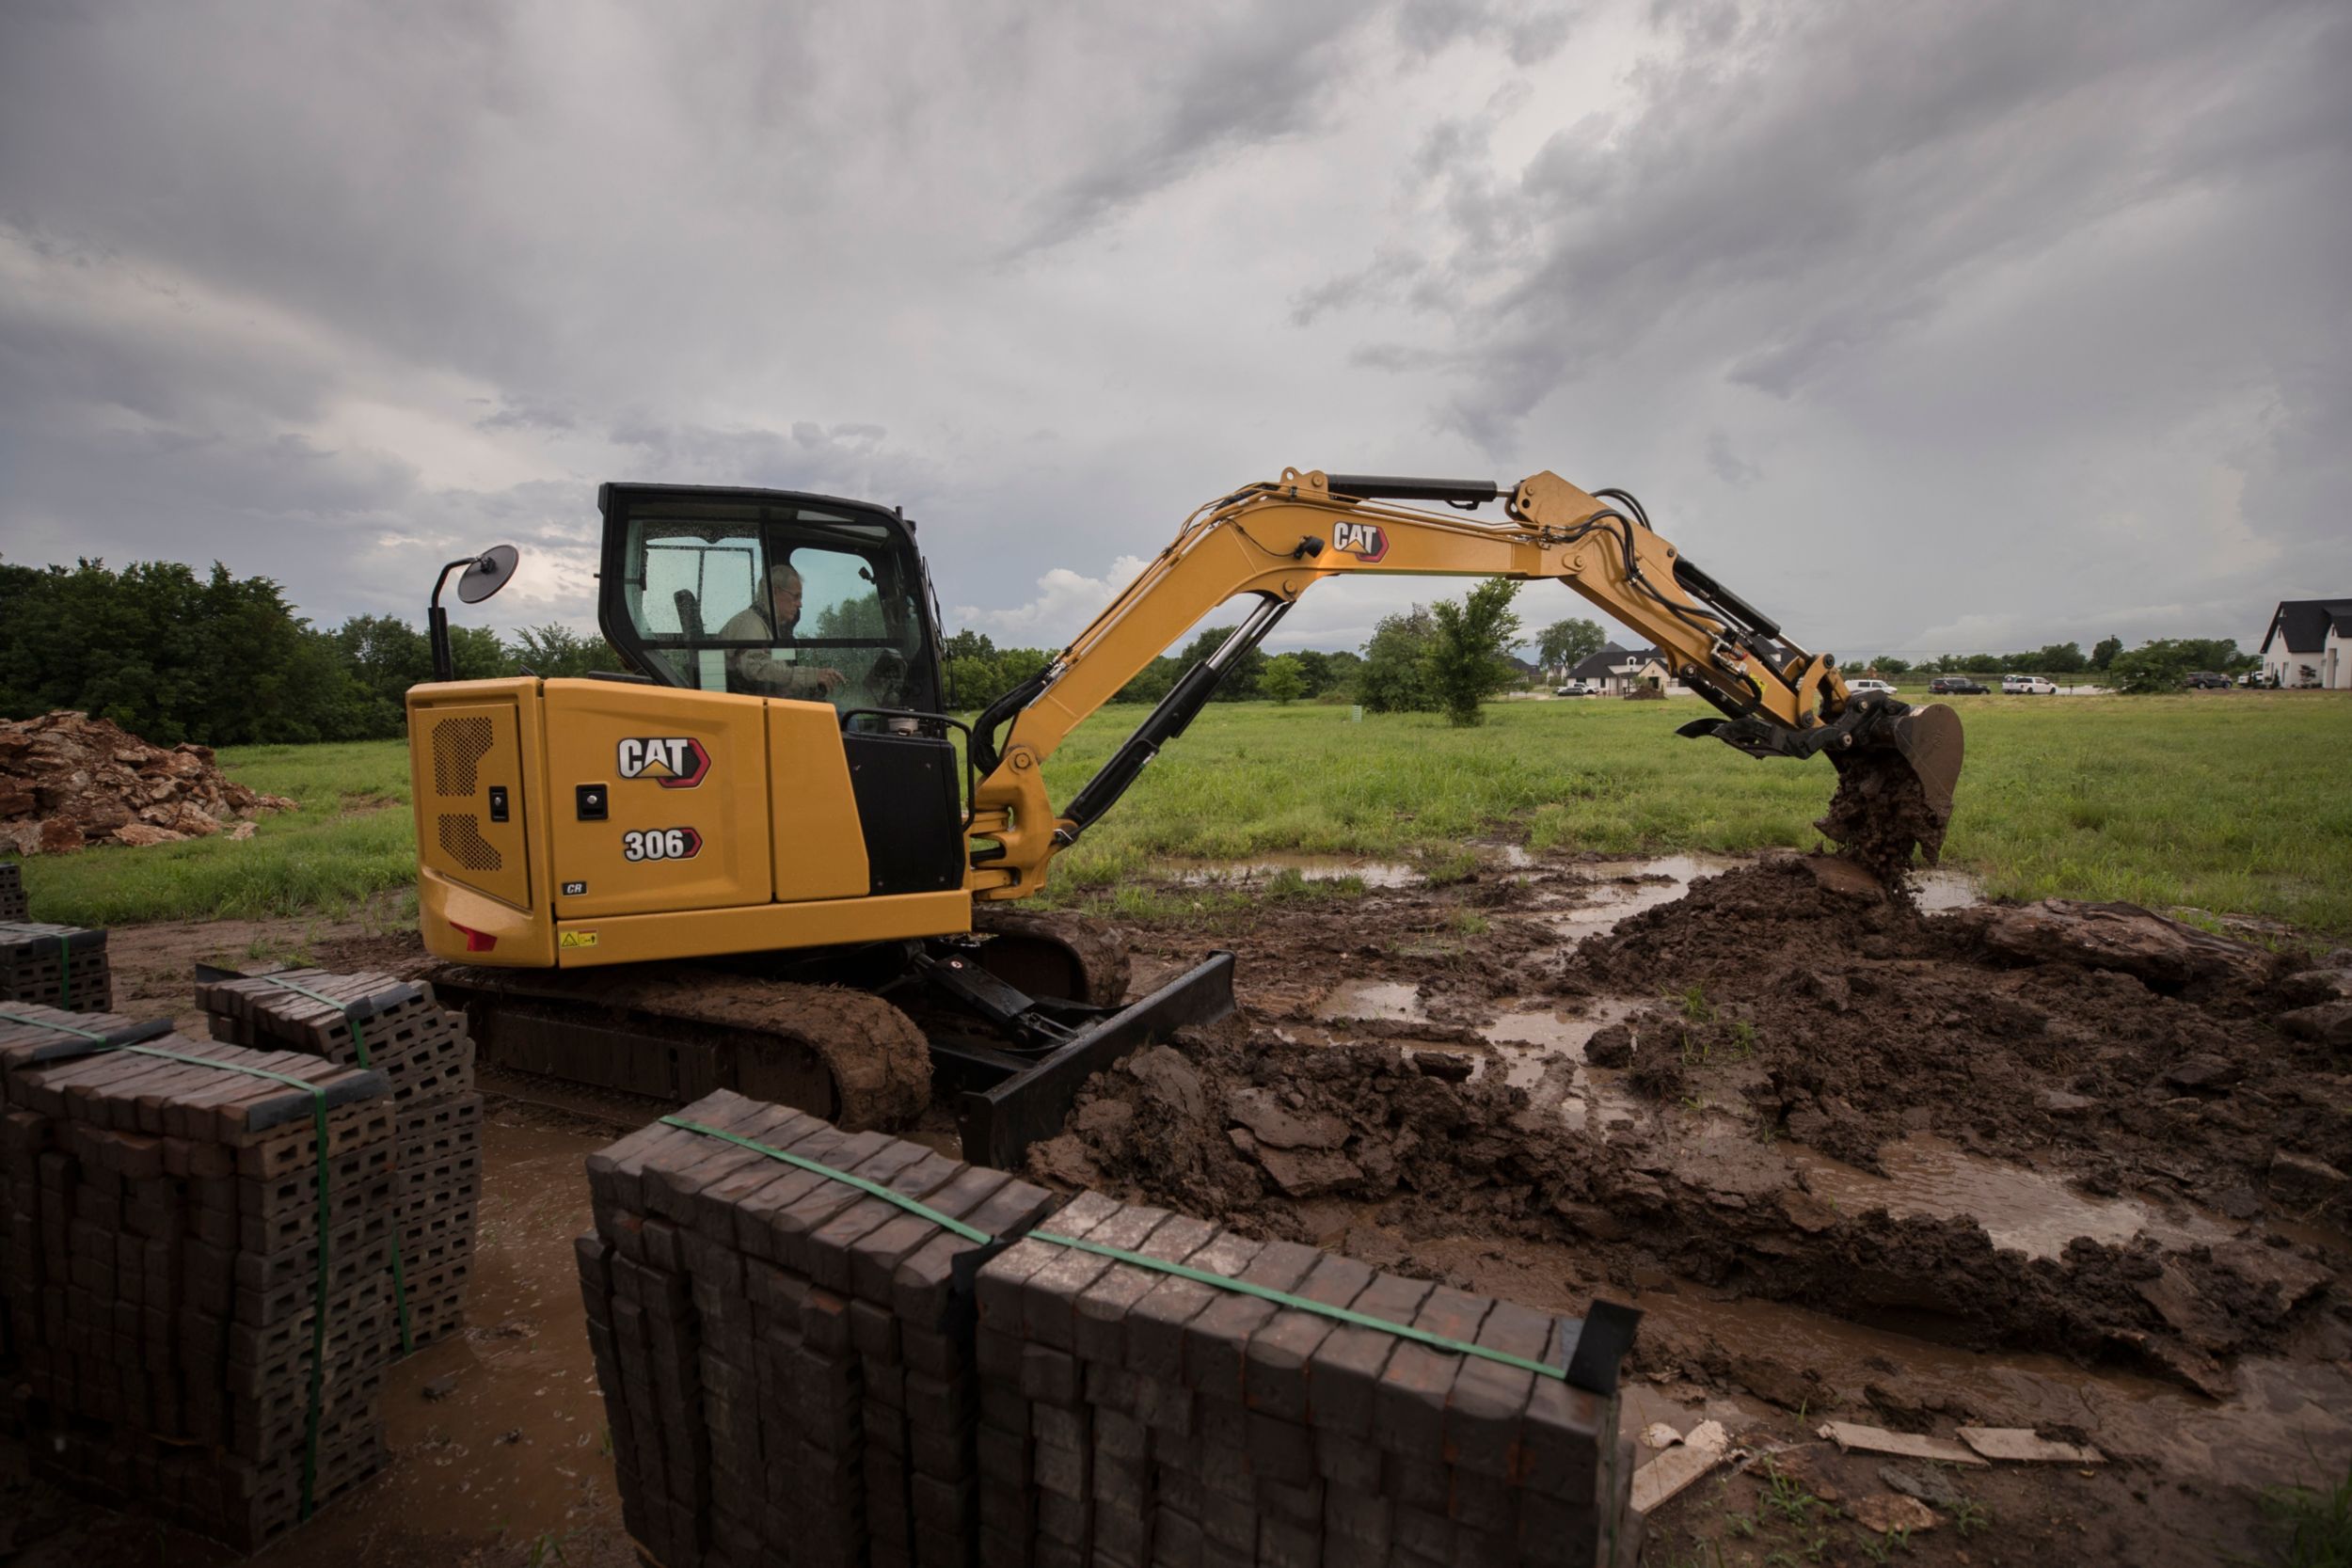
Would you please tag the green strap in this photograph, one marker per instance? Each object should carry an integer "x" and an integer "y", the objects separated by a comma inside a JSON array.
[
  {"x": 1283, "y": 1298},
  {"x": 860, "y": 1182},
  {"x": 61, "y": 1028},
  {"x": 360, "y": 1045},
  {"x": 318, "y": 1325},
  {"x": 1161, "y": 1265}
]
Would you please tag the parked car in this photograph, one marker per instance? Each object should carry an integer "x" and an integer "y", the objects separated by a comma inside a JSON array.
[
  {"x": 2207, "y": 680},
  {"x": 1957, "y": 686},
  {"x": 1579, "y": 688},
  {"x": 1861, "y": 686},
  {"x": 2028, "y": 686}
]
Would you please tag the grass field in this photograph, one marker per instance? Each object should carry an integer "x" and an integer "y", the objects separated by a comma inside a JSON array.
[{"x": 2230, "y": 801}]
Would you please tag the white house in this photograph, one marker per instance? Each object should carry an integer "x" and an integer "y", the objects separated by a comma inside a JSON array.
[
  {"x": 1616, "y": 670},
  {"x": 2309, "y": 643}
]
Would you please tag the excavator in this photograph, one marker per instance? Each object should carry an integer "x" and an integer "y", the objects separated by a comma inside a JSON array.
[{"x": 766, "y": 857}]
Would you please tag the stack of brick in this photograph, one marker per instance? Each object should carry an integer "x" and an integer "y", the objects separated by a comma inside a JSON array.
[
  {"x": 181, "y": 1345},
  {"x": 56, "y": 966},
  {"x": 394, "y": 1027},
  {"x": 13, "y": 905},
  {"x": 1133, "y": 1417},
  {"x": 786, "y": 1358}
]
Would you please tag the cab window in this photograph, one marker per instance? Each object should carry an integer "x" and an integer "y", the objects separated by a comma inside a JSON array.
[{"x": 776, "y": 600}]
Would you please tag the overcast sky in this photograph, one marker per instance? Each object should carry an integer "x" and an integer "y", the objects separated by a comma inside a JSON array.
[{"x": 1970, "y": 326}]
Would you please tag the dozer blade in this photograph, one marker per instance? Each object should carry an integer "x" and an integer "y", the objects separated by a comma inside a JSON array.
[{"x": 1019, "y": 1099}]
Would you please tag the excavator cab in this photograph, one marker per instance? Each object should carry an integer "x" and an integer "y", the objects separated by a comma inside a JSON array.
[{"x": 771, "y": 594}]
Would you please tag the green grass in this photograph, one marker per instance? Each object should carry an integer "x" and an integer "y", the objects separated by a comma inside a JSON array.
[
  {"x": 2312, "y": 1528},
  {"x": 2232, "y": 802},
  {"x": 2229, "y": 802},
  {"x": 353, "y": 838}
]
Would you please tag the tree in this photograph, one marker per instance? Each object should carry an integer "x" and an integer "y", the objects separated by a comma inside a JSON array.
[
  {"x": 1394, "y": 677},
  {"x": 1241, "y": 676},
  {"x": 1468, "y": 659},
  {"x": 1282, "y": 679},
  {"x": 2060, "y": 659},
  {"x": 2103, "y": 654},
  {"x": 1316, "y": 669},
  {"x": 556, "y": 651},
  {"x": 2158, "y": 666},
  {"x": 1565, "y": 644},
  {"x": 967, "y": 645},
  {"x": 1889, "y": 665}
]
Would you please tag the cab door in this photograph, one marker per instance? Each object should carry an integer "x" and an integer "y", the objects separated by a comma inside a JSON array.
[{"x": 658, "y": 798}]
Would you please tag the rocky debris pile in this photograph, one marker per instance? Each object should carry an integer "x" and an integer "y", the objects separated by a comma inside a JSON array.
[{"x": 68, "y": 779}]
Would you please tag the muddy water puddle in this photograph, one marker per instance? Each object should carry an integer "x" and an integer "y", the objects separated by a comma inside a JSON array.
[
  {"x": 1616, "y": 890},
  {"x": 1314, "y": 869},
  {"x": 2022, "y": 1209}
]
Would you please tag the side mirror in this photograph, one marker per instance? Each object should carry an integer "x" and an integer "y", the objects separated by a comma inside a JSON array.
[
  {"x": 491, "y": 571},
  {"x": 485, "y": 574}
]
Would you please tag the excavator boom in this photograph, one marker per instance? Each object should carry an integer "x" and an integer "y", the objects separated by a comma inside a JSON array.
[{"x": 1275, "y": 541}]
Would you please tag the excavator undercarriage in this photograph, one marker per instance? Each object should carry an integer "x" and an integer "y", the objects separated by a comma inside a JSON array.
[{"x": 1004, "y": 1027}]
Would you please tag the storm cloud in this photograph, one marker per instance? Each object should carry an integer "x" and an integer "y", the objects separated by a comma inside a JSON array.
[{"x": 1927, "y": 326}]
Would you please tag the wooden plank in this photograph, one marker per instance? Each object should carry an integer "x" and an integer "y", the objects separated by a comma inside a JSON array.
[
  {"x": 2021, "y": 1445},
  {"x": 1678, "y": 1467},
  {"x": 1910, "y": 1445}
]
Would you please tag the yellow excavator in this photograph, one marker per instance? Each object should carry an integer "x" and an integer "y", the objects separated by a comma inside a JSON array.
[{"x": 759, "y": 859}]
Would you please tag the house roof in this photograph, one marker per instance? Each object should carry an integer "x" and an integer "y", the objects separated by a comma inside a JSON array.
[
  {"x": 2303, "y": 624},
  {"x": 1597, "y": 665}
]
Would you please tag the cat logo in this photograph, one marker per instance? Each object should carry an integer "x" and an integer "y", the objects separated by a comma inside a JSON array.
[
  {"x": 578, "y": 939},
  {"x": 1366, "y": 542},
  {"x": 674, "y": 762}
]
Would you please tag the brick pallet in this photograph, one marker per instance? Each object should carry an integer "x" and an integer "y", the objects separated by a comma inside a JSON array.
[
  {"x": 786, "y": 1359},
  {"x": 795, "y": 1375},
  {"x": 164, "y": 1230},
  {"x": 394, "y": 1027},
  {"x": 1171, "y": 1421},
  {"x": 56, "y": 966},
  {"x": 13, "y": 905}
]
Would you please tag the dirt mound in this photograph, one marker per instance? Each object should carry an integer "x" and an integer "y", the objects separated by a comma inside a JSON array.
[
  {"x": 68, "y": 779},
  {"x": 2147, "y": 1113},
  {"x": 1302, "y": 1142}
]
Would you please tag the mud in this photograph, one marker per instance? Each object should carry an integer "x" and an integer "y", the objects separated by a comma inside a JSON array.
[
  {"x": 1879, "y": 814},
  {"x": 1901, "y": 1160}
]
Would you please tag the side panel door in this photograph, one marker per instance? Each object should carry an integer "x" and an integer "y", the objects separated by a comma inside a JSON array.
[
  {"x": 468, "y": 767},
  {"x": 658, "y": 799}
]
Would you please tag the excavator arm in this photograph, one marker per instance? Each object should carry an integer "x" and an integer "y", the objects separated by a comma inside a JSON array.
[{"x": 1277, "y": 540}]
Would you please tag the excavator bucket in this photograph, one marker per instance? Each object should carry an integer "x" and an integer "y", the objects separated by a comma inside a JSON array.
[
  {"x": 1895, "y": 787},
  {"x": 1928, "y": 738}
]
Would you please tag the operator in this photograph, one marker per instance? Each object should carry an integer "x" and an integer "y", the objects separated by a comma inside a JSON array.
[{"x": 766, "y": 672}]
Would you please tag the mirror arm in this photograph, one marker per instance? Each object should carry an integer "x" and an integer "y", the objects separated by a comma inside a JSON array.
[{"x": 437, "y": 624}]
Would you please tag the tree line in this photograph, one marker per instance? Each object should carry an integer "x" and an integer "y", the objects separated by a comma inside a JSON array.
[
  {"x": 2160, "y": 664},
  {"x": 172, "y": 656}
]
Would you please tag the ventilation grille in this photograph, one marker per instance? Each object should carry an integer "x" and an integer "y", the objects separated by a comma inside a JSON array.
[
  {"x": 458, "y": 746},
  {"x": 461, "y": 836}
]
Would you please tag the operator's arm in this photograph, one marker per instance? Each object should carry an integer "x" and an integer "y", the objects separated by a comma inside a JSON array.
[
  {"x": 1275, "y": 541},
  {"x": 763, "y": 672}
]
